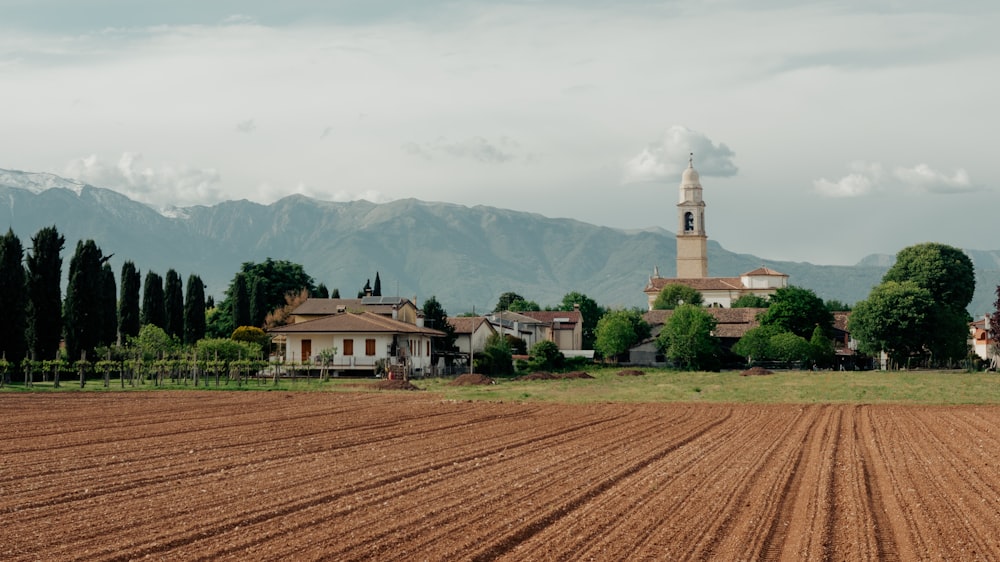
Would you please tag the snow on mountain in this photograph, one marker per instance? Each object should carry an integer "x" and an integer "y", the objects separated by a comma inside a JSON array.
[{"x": 37, "y": 182}]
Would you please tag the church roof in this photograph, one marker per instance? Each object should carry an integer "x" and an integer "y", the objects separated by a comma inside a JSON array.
[
  {"x": 701, "y": 284},
  {"x": 762, "y": 270}
]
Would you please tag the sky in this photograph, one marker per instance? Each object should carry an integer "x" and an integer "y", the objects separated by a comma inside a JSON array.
[{"x": 822, "y": 131}]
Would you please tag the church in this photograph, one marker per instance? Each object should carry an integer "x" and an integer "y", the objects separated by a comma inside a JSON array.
[{"x": 692, "y": 256}]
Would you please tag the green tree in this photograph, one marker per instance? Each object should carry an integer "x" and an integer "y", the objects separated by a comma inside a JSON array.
[
  {"x": 687, "y": 338},
  {"x": 109, "y": 306},
  {"x": 673, "y": 295},
  {"x": 83, "y": 310},
  {"x": 503, "y": 303},
  {"x": 617, "y": 331},
  {"x": 797, "y": 310},
  {"x": 153, "y": 311},
  {"x": 153, "y": 342},
  {"x": 377, "y": 289},
  {"x": 946, "y": 272},
  {"x": 280, "y": 278},
  {"x": 823, "y": 352},
  {"x": 258, "y": 301},
  {"x": 436, "y": 318},
  {"x": 226, "y": 349},
  {"x": 252, "y": 334},
  {"x": 13, "y": 300},
  {"x": 128, "y": 304},
  {"x": 895, "y": 318},
  {"x": 194, "y": 310},
  {"x": 994, "y": 331},
  {"x": 496, "y": 357},
  {"x": 45, "y": 293},
  {"x": 834, "y": 305},
  {"x": 524, "y": 306},
  {"x": 173, "y": 305},
  {"x": 240, "y": 301},
  {"x": 589, "y": 311},
  {"x": 751, "y": 301},
  {"x": 335, "y": 294},
  {"x": 755, "y": 344},
  {"x": 790, "y": 348},
  {"x": 545, "y": 356},
  {"x": 321, "y": 292},
  {"x": 948, "y": 275}
]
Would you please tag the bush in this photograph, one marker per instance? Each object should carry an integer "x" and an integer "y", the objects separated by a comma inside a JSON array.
[
  {"x": 545, "y": 356},
  {"x": 225, "y": 349}
]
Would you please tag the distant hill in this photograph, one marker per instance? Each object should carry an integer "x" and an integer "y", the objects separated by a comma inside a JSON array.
[{"x": 465, "y": 256}]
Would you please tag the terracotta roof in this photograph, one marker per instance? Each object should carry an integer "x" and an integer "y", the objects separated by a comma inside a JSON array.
[
  {"x": 355, "y": 322},
  {"x": 466, "y": 324},
  {"x": 731, "y": 322},
  {"x": 550, "y": 316},
  {"x": 765, "y": 271},
  {"x": 702, "y": 284},
  {"x": 313, "y": 307}
]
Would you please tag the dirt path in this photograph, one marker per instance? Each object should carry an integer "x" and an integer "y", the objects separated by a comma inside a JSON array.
[{"x": 389, "y": 476}]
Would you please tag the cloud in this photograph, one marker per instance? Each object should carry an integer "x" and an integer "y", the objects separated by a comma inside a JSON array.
[
  {"x": 924, "y": 178},
  {"x": 474, "y": 148},
  {"x": 166, "y": 186},
  {"x": 247, "y": 126},
  {"x": 871, "y": 177},
  {"x": 666, "y": 159}
]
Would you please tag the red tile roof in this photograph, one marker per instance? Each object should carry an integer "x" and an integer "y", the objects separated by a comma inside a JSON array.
[
  {"x": 466, "y": 324},
  {"x": 355, "y": 322}
]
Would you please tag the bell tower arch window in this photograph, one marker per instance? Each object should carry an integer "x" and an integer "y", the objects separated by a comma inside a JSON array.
[{"x": 689, "y": 222}]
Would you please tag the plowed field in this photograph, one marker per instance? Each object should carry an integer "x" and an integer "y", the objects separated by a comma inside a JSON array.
[{"x": 407, "y": 476}]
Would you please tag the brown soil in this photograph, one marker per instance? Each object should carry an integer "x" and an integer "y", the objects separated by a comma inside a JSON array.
[
  {"x": 756, "y": 371},
  {"x": 631, "y": 373},
  {"x": 394, "y": 384},
  {"x": 408, "y": 476},
  {"x": 469, "y": 379}
]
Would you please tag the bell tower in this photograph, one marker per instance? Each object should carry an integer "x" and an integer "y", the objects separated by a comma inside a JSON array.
[{"x": 692, "y": 253}]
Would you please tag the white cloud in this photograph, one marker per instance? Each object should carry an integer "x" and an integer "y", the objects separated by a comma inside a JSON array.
[
  {"x": 870, "y": 177},
  {"x": 475, "y": 148},
  {"x": 923, "y": 178},
  {"x": 666, "y": 159},
  {"x": 247, "y": 126},
  {"x": 166, "y": 186}
]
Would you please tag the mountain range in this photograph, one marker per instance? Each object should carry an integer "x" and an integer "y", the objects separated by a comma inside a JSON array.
[{"x": 465, "y": 256}]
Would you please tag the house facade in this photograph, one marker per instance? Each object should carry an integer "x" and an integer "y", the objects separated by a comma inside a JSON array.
[
  {"x": 359, "y": 340},
  {"x": 471, "y": 333},
  {"x": 982, "y": 344}
]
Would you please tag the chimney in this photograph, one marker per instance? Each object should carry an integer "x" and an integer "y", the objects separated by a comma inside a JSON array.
[
  {"x": 395, "y": 312},
  {"x": 368, "y": 291}
]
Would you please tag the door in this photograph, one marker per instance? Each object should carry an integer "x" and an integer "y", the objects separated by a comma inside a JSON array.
[{"x": 307, "y": 350}]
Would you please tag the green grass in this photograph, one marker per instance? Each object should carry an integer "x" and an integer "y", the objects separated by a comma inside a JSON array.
[{"x": 790, "y": 387}]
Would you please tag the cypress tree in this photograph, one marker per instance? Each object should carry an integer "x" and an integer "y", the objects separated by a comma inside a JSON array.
[
  {"x": 335, "y": 294},
  {"x": 82, "y": 312},
  {"x": 109, "y": 303},
  {"x": 173, "y": 305},
  {"x": 152, "y": 301},
  {"x": 128, "y": 306},
  {"x": 13, "y": 299},
  {"x": 322, "y": 292},
  {"x": 241, "y": 301},
  {"x": 377, "y": 289},
  {"x": 258, "y": 301},
  {"x": 45, "y": 293},
  {"x": 194, "y": 310}
]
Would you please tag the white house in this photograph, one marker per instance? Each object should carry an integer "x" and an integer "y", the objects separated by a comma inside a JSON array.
[
  {"x": 359, "y": 340},
  {"x": 982, "y": 344},
  {"x": 471, "y": 332}
]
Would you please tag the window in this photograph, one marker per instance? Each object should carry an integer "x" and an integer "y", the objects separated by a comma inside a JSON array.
[
  {"x": 428, "y": 348},
  {"x": 369, "y": 347},
  {"x": 688, "y": 221},
  {"x": 348, "y": 347}
]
